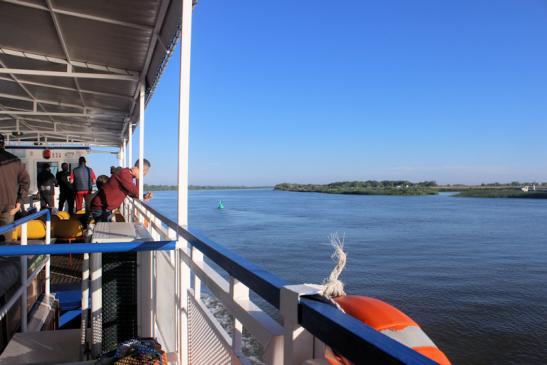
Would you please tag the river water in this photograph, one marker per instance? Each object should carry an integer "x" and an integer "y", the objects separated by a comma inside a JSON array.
[{"x": 472, "y": 272}]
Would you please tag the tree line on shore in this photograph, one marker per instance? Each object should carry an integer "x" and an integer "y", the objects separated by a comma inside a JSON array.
[{"x": 369, "y": 187}]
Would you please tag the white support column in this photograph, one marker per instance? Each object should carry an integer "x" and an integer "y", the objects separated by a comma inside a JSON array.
[
  {"x": 130, "y": 161},
  {"x": 141, "y": 141},
  {"x": 24, "y": 276},
  {"x": 85, "y": 305},
  {"x": 182, "y": 191},
  {"x": 121, "y": 155},
  {"x": 48, "y": 262},
  {"x": 124, "y": 149},
  {"x": 144, "y": 258},
  {"x": 96, "y": 265}
]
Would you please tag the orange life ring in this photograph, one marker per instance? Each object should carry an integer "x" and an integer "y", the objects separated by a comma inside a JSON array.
[{"x": 390, "y": 321}]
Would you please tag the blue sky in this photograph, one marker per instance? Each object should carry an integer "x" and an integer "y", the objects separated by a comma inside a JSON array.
[{"x": 317, "y": 91}]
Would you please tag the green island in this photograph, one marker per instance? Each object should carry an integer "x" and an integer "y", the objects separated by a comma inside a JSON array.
[
  {"x": 151, "y": 187},
  {"x": 500, "y": 193},
  {"x": 392, "y": 187},
  {"x": 369, "y": 187},
  {"x": 407, "y": 188}
]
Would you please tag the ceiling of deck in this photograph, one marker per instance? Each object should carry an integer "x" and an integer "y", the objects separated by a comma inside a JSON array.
[{"x": 71, "y": 70}]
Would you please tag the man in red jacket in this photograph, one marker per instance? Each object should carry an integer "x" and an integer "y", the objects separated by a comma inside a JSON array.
[{"x": 113, "y": 193}]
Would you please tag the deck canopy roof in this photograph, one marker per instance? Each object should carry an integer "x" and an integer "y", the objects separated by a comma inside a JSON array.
[{"x": 71, "y": 70}]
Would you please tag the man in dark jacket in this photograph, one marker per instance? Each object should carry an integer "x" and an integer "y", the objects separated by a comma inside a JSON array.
[
  {"x": 46, "y": 186},
  {"x": 113, "y": 193},
  {"x": 66, "y": 194},
  {"x": 82, "y": 178},
  {"x": 14, "y": 185}
]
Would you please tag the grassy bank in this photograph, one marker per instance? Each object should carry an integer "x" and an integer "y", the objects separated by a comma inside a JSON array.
[
  {"x": 501, "y": 193},
  {"x": 403, "y": 188}
]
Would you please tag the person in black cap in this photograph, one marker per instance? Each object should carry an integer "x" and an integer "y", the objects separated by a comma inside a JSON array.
[
  {"x": 14, "y": 186},
  {"x": 46, "y": 185}
]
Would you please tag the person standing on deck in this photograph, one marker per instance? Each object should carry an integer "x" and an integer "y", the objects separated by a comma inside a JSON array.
[
  {"x": 82, "y": 179},
  {"x": 66, "y": 193},
  {"x": 46, "y": 186},
  {"x": 14, "y": 186},
  {"x": 113, "y": 193}
]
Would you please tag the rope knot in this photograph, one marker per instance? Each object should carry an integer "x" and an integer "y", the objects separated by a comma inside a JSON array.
[{"x": 333, "y": 287}]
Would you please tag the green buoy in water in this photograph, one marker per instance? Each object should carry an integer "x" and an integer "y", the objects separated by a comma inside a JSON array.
[{"x": 220, "y": 204}]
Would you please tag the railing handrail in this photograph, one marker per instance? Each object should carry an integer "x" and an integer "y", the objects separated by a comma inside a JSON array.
[
  {"x": 78, "y": 248},
  {"x": 265, "y": 284},
  {"x": 26, "y": 219},
  {"x": 322, "y": 320}
]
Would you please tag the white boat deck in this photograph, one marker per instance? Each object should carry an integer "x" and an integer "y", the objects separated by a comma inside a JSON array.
[{"x": 47, "y": 347}]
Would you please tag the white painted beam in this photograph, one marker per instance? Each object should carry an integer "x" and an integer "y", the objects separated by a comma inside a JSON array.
[
  {"x": 52, "y": 102},
  {"x": 61, "y": 114},
  {"x": 82, "y": 75},
  {"x": 62, "y": 61},
  {"x": 42, "y": 84}
]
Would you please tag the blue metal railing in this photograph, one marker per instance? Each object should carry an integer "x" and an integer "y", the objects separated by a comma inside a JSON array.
[
  {"x": 10, "y": 227},
  {"x": 347, "y": 335},
  {"x": 77, "y": 248}
]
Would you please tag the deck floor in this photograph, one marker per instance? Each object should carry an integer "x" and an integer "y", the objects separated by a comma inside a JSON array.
[
  {"x": 47, "y": 347},
  {"x": 66, "y": 270}
]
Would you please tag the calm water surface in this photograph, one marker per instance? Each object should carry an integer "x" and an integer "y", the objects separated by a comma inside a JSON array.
[{"x": 472, "y": 272}]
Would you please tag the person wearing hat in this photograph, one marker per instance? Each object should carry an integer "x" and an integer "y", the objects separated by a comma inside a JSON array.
[{"x": 14, "y": 186}]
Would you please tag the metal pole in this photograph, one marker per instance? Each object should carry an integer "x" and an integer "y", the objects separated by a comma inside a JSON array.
[
  {"x": 85, "y": 304},
  {"x": 48, "y": 262},
  {"x": 120, "y": 156},
  {"x": 96, "y": 303},
  {"x": 182, "y": 191},
  {"x": 124, "y": 157},
  {"x": 130, "y": 145},
  {"x": 141, "y": 141},
  {"x": 144, "y": 258},
  {"x": 24, "y": 298}
]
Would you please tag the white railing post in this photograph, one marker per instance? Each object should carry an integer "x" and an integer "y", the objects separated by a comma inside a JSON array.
[
  {"x": 145, "y": 265},
  {"x": 96, "y": 303},
  {"x": 182, "y": 285},
  {"x": 85, "y": 304},
  {"x": 238, "y": 291},
  {"x": 48, "y": 258},
  {"x": 197, "y": 257},
  {"x": 24, "y": 294},
  {"x": 298, "y": 343},
  {"x": 182, "y": 173}
]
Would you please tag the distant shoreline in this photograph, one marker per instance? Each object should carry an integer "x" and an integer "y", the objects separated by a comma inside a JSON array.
[
  {"x": 387, "y": 187},
  {"x": 154, "y": 187},
  {"x": 370, "y": 187},
  {"x": 407, "y": 188}
]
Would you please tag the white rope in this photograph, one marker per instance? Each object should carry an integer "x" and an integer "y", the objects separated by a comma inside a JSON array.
[{"x": 333, "y": 287}]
